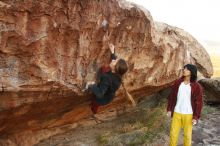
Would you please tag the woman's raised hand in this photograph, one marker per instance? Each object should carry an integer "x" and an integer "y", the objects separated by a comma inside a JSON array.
[{"x": 112, "y": 48}]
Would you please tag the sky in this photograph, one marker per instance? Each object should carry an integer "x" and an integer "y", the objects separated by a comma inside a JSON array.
[{"x": 201, "y": 18}]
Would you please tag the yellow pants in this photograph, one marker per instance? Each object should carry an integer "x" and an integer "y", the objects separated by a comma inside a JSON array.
[{"x": 181, "y": 121}]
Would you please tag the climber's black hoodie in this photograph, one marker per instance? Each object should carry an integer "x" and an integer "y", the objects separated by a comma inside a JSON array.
[{"x": 109, "y": 83}]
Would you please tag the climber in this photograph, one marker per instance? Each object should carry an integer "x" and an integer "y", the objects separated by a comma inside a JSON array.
[{"x": 110, "y": 80}]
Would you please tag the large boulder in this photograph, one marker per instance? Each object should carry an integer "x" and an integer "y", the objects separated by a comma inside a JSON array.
[
  {"x": 50, "y": 48},
  {"x": 211, "y": 90}
]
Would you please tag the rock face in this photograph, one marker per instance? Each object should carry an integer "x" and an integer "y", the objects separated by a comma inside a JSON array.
[
  {"x": 212, "y": 90},
  {"x": 49, "y": 49}
]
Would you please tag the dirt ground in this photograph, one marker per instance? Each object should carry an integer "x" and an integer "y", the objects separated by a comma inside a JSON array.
[{"x": 141, "y": 126}]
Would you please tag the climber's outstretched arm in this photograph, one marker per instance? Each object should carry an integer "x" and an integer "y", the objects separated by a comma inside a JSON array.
[
  {"x": 131, "y": 99},
  {"x": 129, "y": 96}
]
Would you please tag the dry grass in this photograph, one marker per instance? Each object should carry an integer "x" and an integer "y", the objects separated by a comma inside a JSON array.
[
  {"x": 103, "y": 138},
  {"x": 128, "y": 127},
  {"x": 140, "y": 127},
  {"x": 206, "y": 110}
]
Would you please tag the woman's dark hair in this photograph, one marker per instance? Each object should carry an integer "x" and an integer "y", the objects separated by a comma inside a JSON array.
[
  {"x": 121, "y": 67},
  {"x": 193, "y": 69}
]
